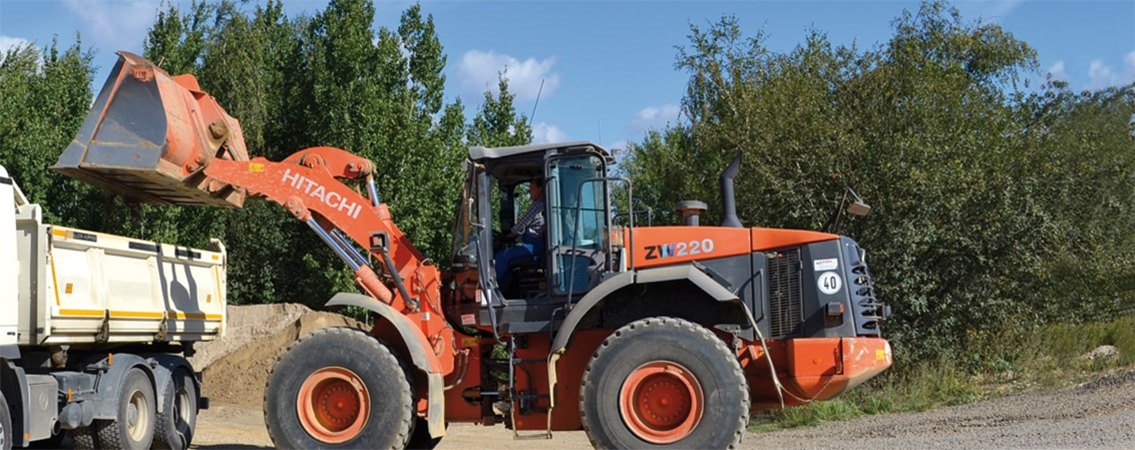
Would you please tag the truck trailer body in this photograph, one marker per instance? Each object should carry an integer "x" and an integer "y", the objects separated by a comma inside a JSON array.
[{"x": 93, "y": 327}]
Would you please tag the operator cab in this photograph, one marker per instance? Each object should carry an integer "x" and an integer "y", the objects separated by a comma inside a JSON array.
[{"x": 576, "y": 253}]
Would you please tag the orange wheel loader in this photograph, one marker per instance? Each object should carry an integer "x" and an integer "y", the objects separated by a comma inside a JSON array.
[{"x": 643, "y": 336}]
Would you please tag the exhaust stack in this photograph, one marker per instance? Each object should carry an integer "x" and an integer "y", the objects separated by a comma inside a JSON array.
[{"x": 728, "y": 201}]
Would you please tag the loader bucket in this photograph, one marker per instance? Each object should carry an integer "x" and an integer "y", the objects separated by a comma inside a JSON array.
[{"x": 150, "y": 136}]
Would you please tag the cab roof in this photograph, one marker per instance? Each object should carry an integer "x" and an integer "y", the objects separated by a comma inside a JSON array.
[{"x": 480, "y": 153}]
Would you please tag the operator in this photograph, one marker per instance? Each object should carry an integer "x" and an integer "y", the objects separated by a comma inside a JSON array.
[{"x": 530, "y": 229}]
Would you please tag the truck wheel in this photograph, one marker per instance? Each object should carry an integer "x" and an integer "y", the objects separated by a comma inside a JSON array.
[
  {"x": 134, "y": 427},
  {"x": 338, "y": 388},
  {"x": 650, "y": 384},
  {"x": 5, "y": 424},
  {"x": 174, "y": 430}
]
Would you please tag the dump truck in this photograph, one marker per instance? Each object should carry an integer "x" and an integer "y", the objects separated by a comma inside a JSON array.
[
  {"x": 641, "y": 335},
  {"x": 94, "y": 328}
]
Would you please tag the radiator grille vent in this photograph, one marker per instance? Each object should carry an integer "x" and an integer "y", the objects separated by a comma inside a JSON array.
[{"x": 785, "y": 303}]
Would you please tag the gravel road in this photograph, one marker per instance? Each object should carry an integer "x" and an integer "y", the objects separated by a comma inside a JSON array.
[{"x": 1099, "y": 414}]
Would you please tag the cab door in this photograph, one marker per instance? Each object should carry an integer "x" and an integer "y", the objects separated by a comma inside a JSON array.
[{"x": 578, "y": 223}]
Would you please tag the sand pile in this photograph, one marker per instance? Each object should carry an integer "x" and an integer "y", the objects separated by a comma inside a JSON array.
[{"x": 237, "y": 366}]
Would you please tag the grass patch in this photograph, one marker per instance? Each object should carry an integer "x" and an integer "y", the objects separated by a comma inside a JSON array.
[{"x": 1046, "y": 357}]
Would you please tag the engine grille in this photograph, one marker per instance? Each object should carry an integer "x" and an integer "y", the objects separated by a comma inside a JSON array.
[
  {"x": 865, "y": 306},
  {"x": 785, "y": 300}
]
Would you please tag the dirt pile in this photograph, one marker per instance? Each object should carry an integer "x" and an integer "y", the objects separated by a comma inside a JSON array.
[{"x": 237, "y": 367}]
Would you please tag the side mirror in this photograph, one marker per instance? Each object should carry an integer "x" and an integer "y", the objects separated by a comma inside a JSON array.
[
  {"x": 858, "y": 207},
  {"x": 855, "y": 206}
]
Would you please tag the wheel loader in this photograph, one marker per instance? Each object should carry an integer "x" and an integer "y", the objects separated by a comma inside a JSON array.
[{"x": 640, "y": 335}]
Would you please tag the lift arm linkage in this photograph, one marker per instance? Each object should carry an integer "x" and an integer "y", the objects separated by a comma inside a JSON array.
[{"x": 308, "y": 184}]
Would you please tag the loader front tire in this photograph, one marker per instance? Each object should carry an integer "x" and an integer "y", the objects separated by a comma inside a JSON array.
[
  {"x": 420, "y": 439},
  {"x": 664, "y": 383},
  {"x": 338, "y": 388}
]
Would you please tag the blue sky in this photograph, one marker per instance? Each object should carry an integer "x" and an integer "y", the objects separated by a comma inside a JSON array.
[{"x": 607, "y": 67}]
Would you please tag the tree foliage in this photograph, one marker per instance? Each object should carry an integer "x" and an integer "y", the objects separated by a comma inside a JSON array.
[
  {"x": 992, "y": 205},
  {"x": 44, "y": 96},
  {"x": 498, "y": 124}
]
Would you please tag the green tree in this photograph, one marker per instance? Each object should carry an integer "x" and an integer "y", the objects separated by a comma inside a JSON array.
[
  {"x": 498, "y": 124},
  {"x": 44, "y": 96},
  {"x": 991, "y": 206}
]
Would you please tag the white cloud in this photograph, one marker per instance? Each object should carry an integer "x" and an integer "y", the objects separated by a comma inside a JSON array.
[
  {"x": 10, "y": 42},
  {"x": 1100, "y": 75},
  {"x": 543, "y": 133},
  {"x": 1130, "y": 62},
  {"x": 479, "y": 71},
  {"x": 999, "y": 8},
  {"x": 114, "y": 26},
  {"x": 1057, "y": 71},
  {"x": 654, "y": 117}
]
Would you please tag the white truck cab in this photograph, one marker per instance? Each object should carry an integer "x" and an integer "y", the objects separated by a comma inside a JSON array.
[{"x": 10, "y": 198}]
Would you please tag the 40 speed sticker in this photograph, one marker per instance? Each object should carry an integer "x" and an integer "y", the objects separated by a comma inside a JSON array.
[{"x": 829, "y": 283}]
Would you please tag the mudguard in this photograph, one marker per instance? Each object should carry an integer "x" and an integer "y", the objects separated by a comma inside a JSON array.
[
  {"x": 646, "y": 276},
  {"x": 108, "y": 389},
  {"x": 16, "y": 394},
  {"x": 420, "y": 355},
  {"x": 164, "y": 366}
]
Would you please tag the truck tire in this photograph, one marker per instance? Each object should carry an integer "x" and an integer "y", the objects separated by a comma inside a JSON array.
[
  {"x": 175, "y": 425},
  {"x": 650, "y": 383},
  {"x": 83, "y": 438},
  {"x": 338, "y": 388},
  {"x": 134, "y": 427},
  {"x": 5, "y": 424}
]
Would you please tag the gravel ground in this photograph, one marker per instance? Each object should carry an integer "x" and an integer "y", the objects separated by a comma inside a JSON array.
[{"x": 1099, "y": 414}]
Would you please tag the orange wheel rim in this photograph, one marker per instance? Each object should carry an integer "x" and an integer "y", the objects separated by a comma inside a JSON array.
[
  {"x": 661, "y": 402},
  {"x": 333, "y": 405}
]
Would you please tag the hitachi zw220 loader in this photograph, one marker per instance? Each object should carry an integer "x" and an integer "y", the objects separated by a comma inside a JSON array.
[{"x": 644, "y": 336}]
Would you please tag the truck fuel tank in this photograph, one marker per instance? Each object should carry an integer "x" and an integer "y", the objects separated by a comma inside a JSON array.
[{"x": 149, "y": 137}]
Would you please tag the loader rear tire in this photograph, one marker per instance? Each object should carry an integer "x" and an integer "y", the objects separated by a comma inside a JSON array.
[
  {"x": 664, "y": 383},
  {"x": 338, "y": 388}
]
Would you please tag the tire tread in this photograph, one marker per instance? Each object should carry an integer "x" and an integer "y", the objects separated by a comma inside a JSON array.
[
  {"x": 628, "y": 331},
  {"x": 380, "y": 351}
]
